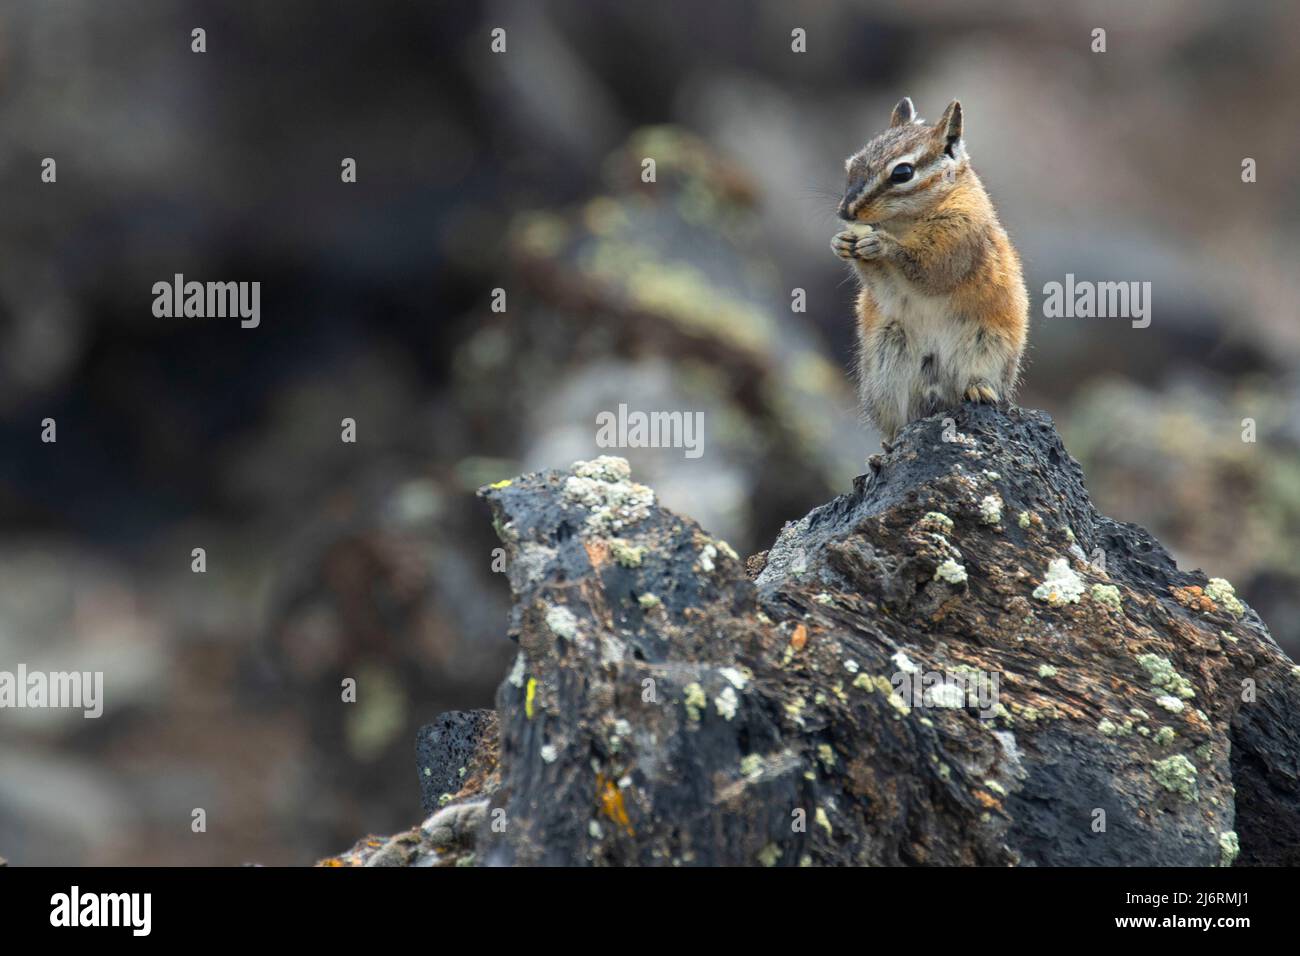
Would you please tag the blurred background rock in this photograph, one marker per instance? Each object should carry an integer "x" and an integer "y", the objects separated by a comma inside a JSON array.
[{"x": 521, "y": 171}]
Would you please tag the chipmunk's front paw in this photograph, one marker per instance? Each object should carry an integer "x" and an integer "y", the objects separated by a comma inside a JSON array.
[
  {"x": 982, "y": 393},
  {"x": 842, "y": 244},
  {"x": 871, "y": 246}
]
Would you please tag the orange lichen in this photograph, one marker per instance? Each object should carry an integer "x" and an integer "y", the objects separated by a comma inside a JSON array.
[
  {"x": 799, "y": 638},
  {"x": 611, "y": 802},
  {"x": 597, "y": 552},
  {"x": 1193, "y": 597}
]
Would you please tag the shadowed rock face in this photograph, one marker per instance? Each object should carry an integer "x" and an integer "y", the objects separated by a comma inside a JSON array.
[{"x": 960, "y": 662}]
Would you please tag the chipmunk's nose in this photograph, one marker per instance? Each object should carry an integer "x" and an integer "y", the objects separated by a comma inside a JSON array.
[{"x": 843, "y": 211}]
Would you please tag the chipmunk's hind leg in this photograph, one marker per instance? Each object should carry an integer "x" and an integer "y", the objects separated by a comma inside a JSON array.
[
  {"x": 982, "y": 392},
  {"x": 991, "y": 371},
  {"x": 932, "y": 398},
  {"x": 885, "y": 375}
]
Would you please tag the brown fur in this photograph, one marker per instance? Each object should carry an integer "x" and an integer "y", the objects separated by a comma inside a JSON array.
[{"x": 943, "y": 311}]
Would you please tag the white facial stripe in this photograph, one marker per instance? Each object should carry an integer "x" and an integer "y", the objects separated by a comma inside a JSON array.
[
  {"x": 908, "y": 186},
  {"x": 909, "y": 158}
]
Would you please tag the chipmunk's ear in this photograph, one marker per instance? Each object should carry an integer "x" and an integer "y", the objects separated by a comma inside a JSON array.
[
  {"x": 904, "y": 113},
  {"x": 948, "y": 128}
]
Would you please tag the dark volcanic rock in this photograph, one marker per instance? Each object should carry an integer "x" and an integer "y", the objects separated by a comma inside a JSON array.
[
  {"x": 960, "y": 662},
  {"x": 449, "y": 750}
]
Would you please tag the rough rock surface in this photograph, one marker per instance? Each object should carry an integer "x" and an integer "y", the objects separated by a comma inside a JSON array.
[
  {"x": 960, "y": 662},
  {"x": 452, "y": 751}
]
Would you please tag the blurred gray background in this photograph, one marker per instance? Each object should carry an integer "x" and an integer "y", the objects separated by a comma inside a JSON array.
[{"x": 520, "y": 171}]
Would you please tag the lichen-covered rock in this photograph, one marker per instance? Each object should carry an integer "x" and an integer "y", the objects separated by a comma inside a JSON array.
[
  {"x": 848, "y": 701},
  {"x": 452, "y": 753}
]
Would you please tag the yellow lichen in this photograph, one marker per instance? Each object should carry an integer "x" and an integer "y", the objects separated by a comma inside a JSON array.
[{"x": 530, "y": 695}]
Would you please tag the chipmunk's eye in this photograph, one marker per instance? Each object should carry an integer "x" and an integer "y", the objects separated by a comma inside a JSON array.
[{"x": 901, "y": 173}]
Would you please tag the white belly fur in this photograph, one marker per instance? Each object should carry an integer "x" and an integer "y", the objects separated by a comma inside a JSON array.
[{"x": 895, "y": 389}]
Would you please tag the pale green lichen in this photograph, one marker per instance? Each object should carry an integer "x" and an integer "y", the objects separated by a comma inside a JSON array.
[
  {"x": 1107, "y": 595},
  {"x": 1107, "y": 728},
  {"x": 945, "y": 695},
  {"x": 602, "y": 486},
  {"x": 770, "y": 855},
  {"x": 1171, "y": 704},
  {"x": 1024, "y": 519},
  {"x": 627, "y": 554},
  {"x": 517, "y": 672},
  {"x": 823, "y": 821},
  {"x": 1229, "y": 847},
  {"x": 1161, "y": 673},
  {"x": 727, "y": 549},
  {"x": 899, "y": 705},
  {"x": 939, "y": 520},
  {"x": 1165, "y": 736},
  {"x": 605, "y": 468},
  {"x": 696, "y": 701},
  {"x": 1221, "y": 592},
  {"x": 1046, "y": 670},
  {"x": 751, "y": 765},
  {"x": 622, "y": 730},
  {"x": 826, "y": 754},
  {"x": 735, "y": 676},
  {"x": 1177, "y": 774},
  {"x": 904, "y": 663},
  {"x": 707, "y": 557},
  {"x": 562, "y": 623},
  {"x": 726, "y": 703},
  {"x": 823, "y": 598},
  {"x": 1061, "y": 586},
  {"x": 950, "y": 571},
  {"x": 991, "y": 509},
  {"x": 648, "y": 601}
]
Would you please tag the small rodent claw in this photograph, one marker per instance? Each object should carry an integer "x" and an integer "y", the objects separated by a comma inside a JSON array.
[
  {"x": 842, "y": 244},
  {"x": 981, "y": 392},
  {"x": 868, "y": 246}
]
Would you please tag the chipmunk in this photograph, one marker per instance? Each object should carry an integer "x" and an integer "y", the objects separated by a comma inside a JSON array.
[{"x": 942, "y": 311}]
